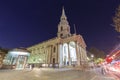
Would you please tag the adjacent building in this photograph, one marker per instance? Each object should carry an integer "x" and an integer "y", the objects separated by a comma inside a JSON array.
[
  {"x": 2, "y": 56},
  {"x": 64, "y": 50},
  {"x": 16, "y": 58}
]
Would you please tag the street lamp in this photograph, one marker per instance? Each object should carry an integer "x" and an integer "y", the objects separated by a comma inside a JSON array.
[
  {"x": 92, "y": 62},
  {"x": 92, "y": 56}
]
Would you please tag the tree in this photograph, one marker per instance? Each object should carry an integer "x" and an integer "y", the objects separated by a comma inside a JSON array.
[
  {"x": 97, "y": 53},
  {"x": 116, "y": 20}
]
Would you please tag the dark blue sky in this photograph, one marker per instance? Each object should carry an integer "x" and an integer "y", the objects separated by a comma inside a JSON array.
[{"x": 24, "y": 23}]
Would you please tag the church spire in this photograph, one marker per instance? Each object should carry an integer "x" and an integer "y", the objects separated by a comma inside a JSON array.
[
  {"x": 63, "y": 17},
  {"x": 63, "y": 26}
]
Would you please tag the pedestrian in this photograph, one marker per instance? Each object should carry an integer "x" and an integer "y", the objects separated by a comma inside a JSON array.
[
  {"x": 103, "y": 69},
  {"x": 32, "y": 66}
]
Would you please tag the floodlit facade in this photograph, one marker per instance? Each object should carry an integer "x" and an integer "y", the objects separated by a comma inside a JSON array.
[{"x": 64, "y": 50}]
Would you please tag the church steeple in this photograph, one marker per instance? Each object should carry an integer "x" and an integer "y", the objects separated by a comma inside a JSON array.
[
  {"x": 63, "y": 14},
  {"x": 63, "y": 26}
]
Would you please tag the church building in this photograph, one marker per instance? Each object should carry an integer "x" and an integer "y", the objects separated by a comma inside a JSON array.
[{"x": 64, "y": 50}]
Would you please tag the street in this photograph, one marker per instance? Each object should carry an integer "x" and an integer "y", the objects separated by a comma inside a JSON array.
[
  {"x": 51, "y": 74},
  {"x": 114, "y": 74},
  {"x": 108, "y": 73}
]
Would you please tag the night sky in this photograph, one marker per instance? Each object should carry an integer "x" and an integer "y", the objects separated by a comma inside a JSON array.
[{"x": 24, "y": 23}]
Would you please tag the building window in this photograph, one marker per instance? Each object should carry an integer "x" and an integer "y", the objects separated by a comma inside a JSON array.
[
  {"x": 54, "y": 49},
  {"x": 63, "y": 18},
  {"x": 61, "y": 28},
  {"x": 61, "y": 35}
]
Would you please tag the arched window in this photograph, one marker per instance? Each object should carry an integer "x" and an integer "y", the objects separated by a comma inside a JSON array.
[{"x": 61, "y": 35}]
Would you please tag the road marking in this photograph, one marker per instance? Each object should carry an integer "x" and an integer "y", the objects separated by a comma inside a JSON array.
[{"x": 93, "y": 78}]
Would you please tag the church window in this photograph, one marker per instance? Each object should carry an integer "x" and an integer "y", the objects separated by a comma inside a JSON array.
[
  {"x": 54, "y": 49},
  {"x": 61, "y": 34},
  {"x": 63, "y": 18},
  {"x": 61, "y": 28}
]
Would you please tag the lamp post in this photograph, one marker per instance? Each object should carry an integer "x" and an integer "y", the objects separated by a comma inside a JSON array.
[
  {"x": 92, "y": 57},
  {"x": 92, "y": 60}
]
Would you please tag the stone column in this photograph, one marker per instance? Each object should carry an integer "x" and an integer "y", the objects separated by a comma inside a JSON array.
[
  {"x": 78, "y": 47},
  {"x": 45, "y": 56},
  {"x": 49, "y": 53},
  {"x": 60, "y": 55},
  {"x": 78, "y": 63},
  {"x": 84, "y": 55},
  {"x": 69, "y": 54},
  {"x": 58, "y": 52},
  {"x": 80, "y": 55}
]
